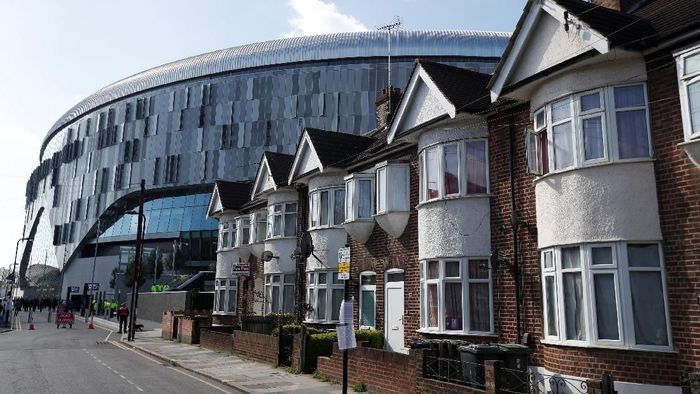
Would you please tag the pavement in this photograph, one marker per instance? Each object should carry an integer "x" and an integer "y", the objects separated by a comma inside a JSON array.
[{"x": 243, "y": 375}]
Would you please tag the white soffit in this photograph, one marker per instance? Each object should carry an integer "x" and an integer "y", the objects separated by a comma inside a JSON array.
[
  {"x": 543, "y": 43},
  {"x": 305, "y": 160}
]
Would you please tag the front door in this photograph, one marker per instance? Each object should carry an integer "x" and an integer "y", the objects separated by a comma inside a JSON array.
[{"x": 393, "y": 324}]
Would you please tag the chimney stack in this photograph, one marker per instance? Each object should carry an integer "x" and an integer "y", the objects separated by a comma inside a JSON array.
[{"x": 384, "y": 113}]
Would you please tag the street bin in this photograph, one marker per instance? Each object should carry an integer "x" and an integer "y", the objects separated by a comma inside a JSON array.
[
  {"x": 515, "y": 367},
  {"x": 473, "y": 358}
]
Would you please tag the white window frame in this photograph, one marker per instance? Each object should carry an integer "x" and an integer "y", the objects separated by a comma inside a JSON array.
[
  {"x": 465, "y": 281},
  {"x": 461, "y": 170},
  {"x": 390, "y": 171},
  {"x": 258, "y": 221},
  {"x": 609, "y": 129},
  {"x": 225, "y": 236},
  {"x": 364, "y": 288},
  {"x": 282, "y": 213},
  {"x": 231, "y": 287},
  {"x": 281, "y": 284},
  {"x": 242, "y": 223},
  {"x": 314, "y": 207},
  {"x": 620, "y": 270},
  {"x": 352, "y": 206},
  {"x": 312, "y": 286},
  {"x": 684, "y": 81}
]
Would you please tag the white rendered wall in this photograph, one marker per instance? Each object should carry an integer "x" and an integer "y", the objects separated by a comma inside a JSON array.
[
  {"x": 454, "y": 227},
  {"x": 602, "y": 203},
  {"x": 463, "y": 128},
  {"x": 327, "y": 179},
  {"x": 326, "y": 241},
  {"x": 224, "y": 263},
  {"x": 282, "y": 195},
  {"x": 424, "y": 107},
  {"x": 282, "y": 248}
]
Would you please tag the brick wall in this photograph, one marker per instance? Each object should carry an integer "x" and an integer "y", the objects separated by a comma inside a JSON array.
[
  {"x": 382, "y": 372},
  {"x": 256, "y": 346},
  {"x": 382, "y": 252},
  {"x": 218, "y": 341},
  {"x": 678, "y": 192},
  {"x": 166, "y": 325},
  {"x": 186, "y": 330},
  {"x": 297, "y": 356}
]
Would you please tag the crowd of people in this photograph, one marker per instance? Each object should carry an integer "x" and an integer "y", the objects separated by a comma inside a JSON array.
[{"x": 34, "y": 304}]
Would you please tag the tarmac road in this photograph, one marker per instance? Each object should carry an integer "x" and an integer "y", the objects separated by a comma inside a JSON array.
[{"x": 79, "y": 360}]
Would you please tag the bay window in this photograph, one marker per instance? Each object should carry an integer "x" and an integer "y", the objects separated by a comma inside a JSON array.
[
  {"x": 453, "y": 169},
  {"x": 393, "y": 194},
  {"x": 226, "y": 296},
  {"x": 359, "y": 197},
  {"x": 224, "y": 236},
  {"x": 279, "y": 293},
  {"x": 368, "y": 300},
  {"x": 603, "y": 125},
  {"x": 258, "y": 226},
  {"x": 325, "y": 293},
  {"x": 688, "y": 66},
  {"x": 606, "y": 294},
  {"x": 326, "y": 207},
  {"x": 281, "y": 220},
  {"x": 243, "y": 234},
  {"x": 456, "y": 296}
]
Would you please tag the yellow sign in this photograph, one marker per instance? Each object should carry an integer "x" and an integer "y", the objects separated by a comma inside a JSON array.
[{"x": 344, "y": 266}]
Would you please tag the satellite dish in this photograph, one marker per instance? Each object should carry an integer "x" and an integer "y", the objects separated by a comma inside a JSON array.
[
  {"x": 267, "y": 256},
  {"x": 306, "y": 245}
]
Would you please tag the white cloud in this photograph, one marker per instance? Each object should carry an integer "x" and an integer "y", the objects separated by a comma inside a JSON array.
[{"x": 319, "y": 17}]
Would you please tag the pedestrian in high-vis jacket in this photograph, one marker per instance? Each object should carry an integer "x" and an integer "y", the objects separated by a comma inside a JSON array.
[{"x": 123, "y": 314}]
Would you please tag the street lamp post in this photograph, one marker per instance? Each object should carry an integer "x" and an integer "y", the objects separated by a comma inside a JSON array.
[
  {"x": 14, "y": 265},
  {"x": 137, "y": 260},
  {"x": 94, "y": 263}
]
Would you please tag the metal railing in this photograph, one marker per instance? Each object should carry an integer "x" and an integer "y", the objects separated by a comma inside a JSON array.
[
  {"x": 454, "y": 371},
  {"x": 514, "y": 381}
]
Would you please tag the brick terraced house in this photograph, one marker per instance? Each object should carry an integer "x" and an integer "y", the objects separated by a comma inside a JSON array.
[{"x": 553, "y": 204}]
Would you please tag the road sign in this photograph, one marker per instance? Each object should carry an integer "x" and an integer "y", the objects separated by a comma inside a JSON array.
[
  {"x": 345, "y": 331},
  {"x": 93, "y": 286},
  {"x": 344, "y": 263}
]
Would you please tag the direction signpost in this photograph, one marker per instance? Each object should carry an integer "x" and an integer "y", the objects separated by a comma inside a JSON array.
[{"x": 345, "y": 330}]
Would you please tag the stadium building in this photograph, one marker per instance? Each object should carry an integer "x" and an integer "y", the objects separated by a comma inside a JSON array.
[{"x": 183, "y": 125}]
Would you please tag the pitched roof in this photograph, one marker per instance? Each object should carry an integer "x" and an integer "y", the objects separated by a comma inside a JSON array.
[
  {"x": 279, "y": 165},
  {"x": 465, "y": 89},
  {"x": 332, "y": 147},
  {"x": 670, "y": 17},
  {"x": 621, "y": 29},
  {"x": 233, "y": 194}
]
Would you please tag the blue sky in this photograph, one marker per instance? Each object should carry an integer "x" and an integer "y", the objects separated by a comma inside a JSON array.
[{"x": 55, "y": 53}]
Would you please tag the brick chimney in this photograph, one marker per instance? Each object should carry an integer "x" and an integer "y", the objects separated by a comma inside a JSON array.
[{"x": 384, "y": 113}]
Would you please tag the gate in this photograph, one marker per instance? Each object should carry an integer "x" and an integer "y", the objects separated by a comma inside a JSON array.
[{"x": 286, "y": 346}]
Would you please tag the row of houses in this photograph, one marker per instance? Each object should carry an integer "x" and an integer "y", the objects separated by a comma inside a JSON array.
[{"x": 555, "y": 203}]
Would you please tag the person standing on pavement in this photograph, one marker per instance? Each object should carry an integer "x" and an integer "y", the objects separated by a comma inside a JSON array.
[
  {"x": 9, "y": 306},
  {"x": 112, "y": 309},
  {"x": 123, "y": 314}
]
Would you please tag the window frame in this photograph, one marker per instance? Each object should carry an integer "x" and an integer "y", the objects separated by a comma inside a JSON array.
[
  {"x": 314, "y": 207},
  {"x": 230, "y": 287},
  {"x": 620, "y": 270},
  {"x": 465, "y": 281},
  {"x": 684, "y": 82},
  {"x": 352, "y": 196},
  {"x": 312, "y": 287},
  {"x": 462, "y": 171},
  {"x": 225, "y": 236},
  {"x": 242, "y": 223},
  {"x": 607, "y": 112},
  {"x": 363, "y": 288},
  {"x": 282, "y": 214},
  {"x": 281, "y": 285}
]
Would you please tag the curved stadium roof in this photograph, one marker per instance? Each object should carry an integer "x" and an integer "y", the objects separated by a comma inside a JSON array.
[{"x": 293, "y": 50}]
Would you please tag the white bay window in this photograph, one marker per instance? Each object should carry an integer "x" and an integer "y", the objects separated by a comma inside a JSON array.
[
  {"x": 225, "y": 236},
  {"x": 688, "y": 66},
  {"x": 282, "y": 220},
  {"x": 359, "y": 197},
  {"x": 607, "y": 295},
  {"x": 279, "y": 293},
  {"x": 326, "y": 207},
  {"x": 242, "y": 229},
  {"x": 456, "y": 296},
  {"x": 325, "y": 293},
  {"x": 393, "y": 194},
  {"x": 453, "y": 169},
  {"x": 603, "y": 125},
  {"x": 258, "y": 227},
  {"x": 226, "y": 296}
]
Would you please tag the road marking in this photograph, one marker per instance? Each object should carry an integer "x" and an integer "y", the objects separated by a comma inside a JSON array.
[
  {"x": 199, "y": 380},
  {"x": 113, "y": 370},
  {"x": 108, "y": 335},
  {"x": 123, "y": 347}
]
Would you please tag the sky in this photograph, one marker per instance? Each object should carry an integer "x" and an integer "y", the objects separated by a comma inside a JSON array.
[{"x": 55, "y": 53}]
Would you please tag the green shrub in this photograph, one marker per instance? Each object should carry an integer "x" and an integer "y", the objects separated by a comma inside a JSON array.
[
  {"x": 319, "y": 345},
  {"x": 374, "y": 337},
  {"x": 359, "y": 387},
  {"x": 279, "y": 319}
]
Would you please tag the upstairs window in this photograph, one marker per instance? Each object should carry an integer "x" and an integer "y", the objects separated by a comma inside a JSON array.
[
  {"x": 282, "y": 220},
  {"x": 598, "y": 126},
  {"x": 258, "y": 227},
  {"x": 688, "y": 65},
  {"x": 393, "y": 194},
  {"x": 454, "y": 169},
  {"x": 224, "y": 236},
  {"x": 327, "y": 207},
  {"x": 359, "y": 197},
  {"x": 243, "y": 235}
]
